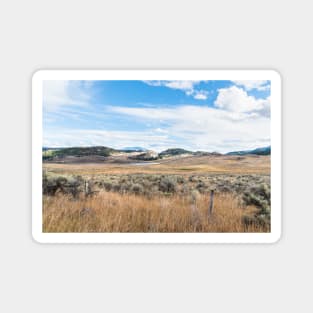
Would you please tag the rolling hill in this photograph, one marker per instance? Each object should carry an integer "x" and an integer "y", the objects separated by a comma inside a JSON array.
[
  {"x": 174, "y": 151},
  {"x": 101, "y": 153},
  {"x": 258, "y": 151},
  {"x": 54, "y": 153}
]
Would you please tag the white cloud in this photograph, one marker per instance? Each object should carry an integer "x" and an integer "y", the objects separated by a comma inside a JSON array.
[
  {"x": 115, "y": 139},
  {"x": 237, "y": 122},
  {"x": 160, "y": 130},
  {"x": 60, "y": 93},
  {"x": 235, "y": 99},
  {"x": 201, "y": 95},
  {"x": 184, "y": 85},
  {"x": 253, "y": 84},
  {"x": 204, "y": 128},
  {"x": 189, "y": 127},
  {"x": 187, "y": 86}
]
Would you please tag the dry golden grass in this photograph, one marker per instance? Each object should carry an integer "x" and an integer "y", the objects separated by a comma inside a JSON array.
[
  {"x": 114, "y": 212},
  {"x": 250, "y": 164}
]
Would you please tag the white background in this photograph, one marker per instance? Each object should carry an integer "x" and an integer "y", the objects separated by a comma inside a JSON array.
[{"x": 155, "y": 34}]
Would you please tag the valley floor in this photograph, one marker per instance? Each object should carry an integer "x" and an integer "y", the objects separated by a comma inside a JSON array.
[{"x": 250, "y": 164}]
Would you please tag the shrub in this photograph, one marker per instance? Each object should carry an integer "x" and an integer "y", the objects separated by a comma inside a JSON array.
[
  {"x": 124, "y": 187},
  {"x": 107, "y": 185},
  {"x": 185, "y": 189},
  {"x": 181, "y": 180},
  {"x": 49, "y": 185},
  {"x": 168, "y": 184},
  {"x": 152, "y": 191},
  {"x": 201, "y": 187},
  {"x": 259, "y": 196},
  {"x": 192, "y": 178},
  {"x": 116, "y": 187},
  {"x": 137, "y": 189},
  {"x": 73, "y": 185}
]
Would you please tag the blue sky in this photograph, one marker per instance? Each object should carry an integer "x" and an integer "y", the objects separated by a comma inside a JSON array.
[{"x": 197, "y": 115}]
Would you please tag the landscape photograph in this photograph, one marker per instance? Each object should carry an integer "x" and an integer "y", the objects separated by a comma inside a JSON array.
[{"x": 156, "y": 156}]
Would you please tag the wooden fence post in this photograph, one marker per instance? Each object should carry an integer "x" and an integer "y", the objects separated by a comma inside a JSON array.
[
  {"x": 86, "y": 188},
  {"x": 211, "y": 202}
]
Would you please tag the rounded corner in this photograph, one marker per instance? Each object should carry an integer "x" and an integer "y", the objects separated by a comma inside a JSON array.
[
  {"x": 276, "y": 238},
  {"x": 37, "y": 75},
  {"x": 36, "y": 238},
  {"x": 276, "y": 75}
]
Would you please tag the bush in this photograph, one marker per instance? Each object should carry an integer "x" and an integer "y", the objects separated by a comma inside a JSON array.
[
  {"x": 124, "y": 187},
  {"x": 259, "y": 196},
  {"x": 201, "y": 187},
  {"x": 181, "y": 180},
  {"x": 107, "y": 185},
  {"x": 192, "y": 178},
  {"x": 154, "y": 190},
  {"x": 49, "y": 185},
  {"x": 137, "y": 189},
  {"x": 168, "y": 184},
  {"x": 73, "y": 185},
  {"x": 185, "y": 189},
  {"x": 116, "y": 187}
]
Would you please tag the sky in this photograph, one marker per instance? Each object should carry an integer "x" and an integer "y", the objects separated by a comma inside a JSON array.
[{"x": 213, "y": 115}]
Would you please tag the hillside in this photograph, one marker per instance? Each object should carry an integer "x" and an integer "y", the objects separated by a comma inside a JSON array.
[
  {"x": 258, "y": 151},
  {"x": 145, "y": 156},
  {"x": 174, "y": 151},
  {"x": 51, "y": 154},
  {"x": 101, "y": 154}
]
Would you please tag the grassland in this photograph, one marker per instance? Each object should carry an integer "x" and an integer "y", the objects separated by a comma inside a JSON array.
[
  {"x": 114, "y": 212},
  {"x": 171, "y": 196},
  {"x": 252, "y": 164}
]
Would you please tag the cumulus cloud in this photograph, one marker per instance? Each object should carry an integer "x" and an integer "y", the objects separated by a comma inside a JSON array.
[
  {"x": 187, "y": 86},
  {"x": 204, "y": 128},
  {"x": 201, "y": 95},
  {"x": 236, "y": 99},
  {"x": 253, "y": 84}
]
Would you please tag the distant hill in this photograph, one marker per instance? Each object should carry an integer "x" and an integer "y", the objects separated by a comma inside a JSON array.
[
  {"x": 258, "y": 151},
  {"x": 55, "y": 153},
  {"x": 149, "y": 155},
  {"x": 47, "y": 148},
  {"x": 100, "y": 153},
  {"x": 174, "y": 151}
]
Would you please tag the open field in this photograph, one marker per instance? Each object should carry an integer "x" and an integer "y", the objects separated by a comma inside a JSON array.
[
  {"x": 169, "y": 195},
  {"x": 251, "y": 164}
]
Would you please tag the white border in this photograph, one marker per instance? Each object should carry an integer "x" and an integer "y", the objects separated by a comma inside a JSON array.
[{"x": 41, "y": 75}]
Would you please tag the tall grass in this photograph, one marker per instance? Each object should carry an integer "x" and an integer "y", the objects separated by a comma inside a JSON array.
[{"x": 115, "y": 212}]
